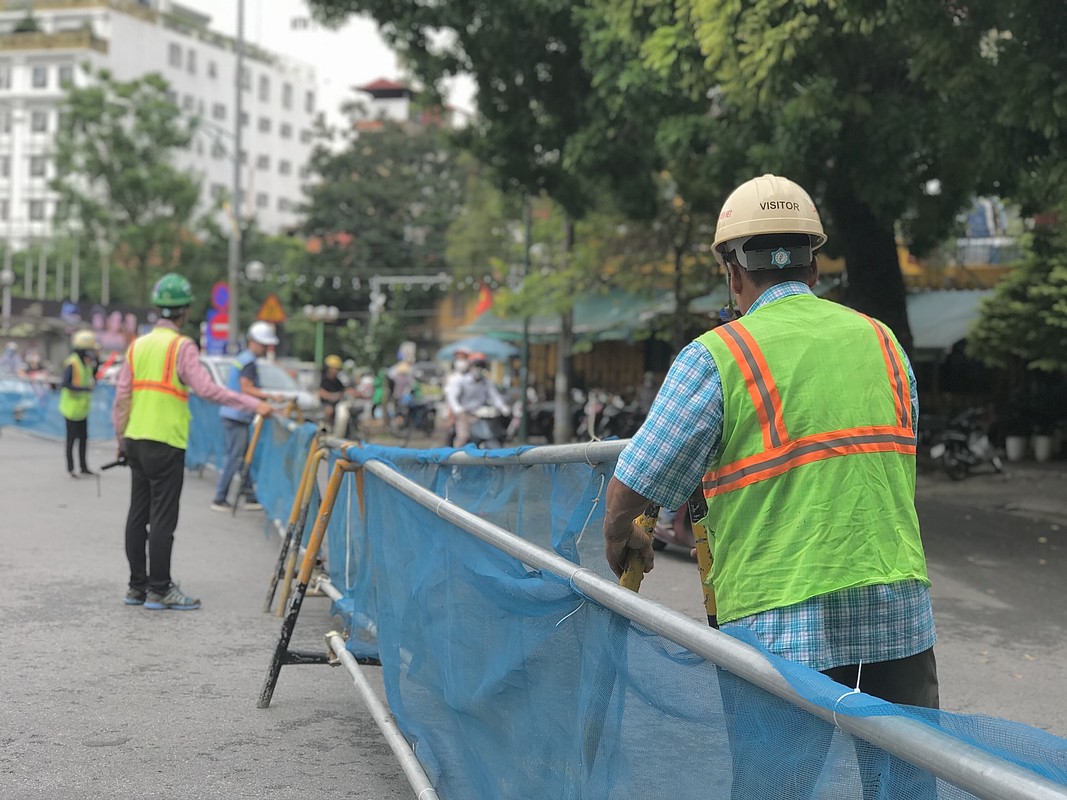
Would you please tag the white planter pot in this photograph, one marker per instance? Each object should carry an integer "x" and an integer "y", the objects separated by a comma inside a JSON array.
[
  {"x": 1015, "y": 447},
  {"x": 1042, "y": 447}
]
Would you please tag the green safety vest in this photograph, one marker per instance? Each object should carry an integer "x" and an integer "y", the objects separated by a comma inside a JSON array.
[
  {"x": 159, "y": 405},
  {"x": 75, "y": 405},
  {"x": 813, "y": 489}
]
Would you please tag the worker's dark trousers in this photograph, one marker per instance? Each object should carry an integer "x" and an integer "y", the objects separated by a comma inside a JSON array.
[
  {"x": 761, "y": 728},
  {"x": 77, "y": 430},
  {"x": 158, "y": 471}
]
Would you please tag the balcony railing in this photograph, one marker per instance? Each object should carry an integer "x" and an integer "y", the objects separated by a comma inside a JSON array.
[{"x": 61, "y": 40}]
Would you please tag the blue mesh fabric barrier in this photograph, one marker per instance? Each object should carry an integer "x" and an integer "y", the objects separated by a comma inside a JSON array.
[
  {"x": 34, "y": 406},
  {"x": 511, "y": 684},
  {"x": 277, "y": 465}
]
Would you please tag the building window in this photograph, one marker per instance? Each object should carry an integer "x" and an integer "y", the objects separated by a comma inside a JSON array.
[
  {"x": 4, "y": 209},
  {"x": 218, "y": 111},
  {"x": 172, "y": 97},
  {"x": 5, "y": 77},
  {"x": 174, "y": 55},
  {"x": 39, "y": 79},
  {"x": 264, "y": 125},
  {"x": 188, "y": 102},
  {"x": 246, "y": 78},
  {"x": 5, "y": 121},
  {"x": 262, "y": 200},
  {"x": 287, "y": 95},
  {"x": 190, "y": 61},
  {"x": 217, "y": 150},
  {"x": 212, "y": 69},
  {"x": 244, "y": 118},
  {"x": 284, "y": 167},
  {"x": 285, "y": 130},
  {"x": 309, "y": 102},
  {"x": 283, "y": 204},
  {"x": 66, "y": 75},
  {"x": 37, "y": 210},
  {"x": 244, "y": 157},
  {"x": 264, "y": 88},
  {"x": 39, "y": 121},
  {"x": 38, "y": 166},
  {"x": 305, "y": 137},
  {"x": 262, "y": 162},
  {"x": 5, "y": 166}
]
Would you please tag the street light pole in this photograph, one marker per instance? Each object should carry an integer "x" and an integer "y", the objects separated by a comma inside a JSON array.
[{"x": 235, "y": 203}]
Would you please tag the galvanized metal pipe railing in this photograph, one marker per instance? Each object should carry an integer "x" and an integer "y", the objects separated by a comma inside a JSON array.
[
  {"x": 582, "y": 453},
  {"x": 967, "y": 767},
  {"x": 420, "y": 783}
]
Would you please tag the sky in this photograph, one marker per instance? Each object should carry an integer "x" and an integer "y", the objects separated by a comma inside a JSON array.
[{"x": 353, "y": 55}]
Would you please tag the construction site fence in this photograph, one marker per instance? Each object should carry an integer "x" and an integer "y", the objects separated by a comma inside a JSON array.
[{"x": 516, "y": 667}]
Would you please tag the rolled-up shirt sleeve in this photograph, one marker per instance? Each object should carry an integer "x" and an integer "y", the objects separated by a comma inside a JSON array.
[{"x": 198, "y": 379}]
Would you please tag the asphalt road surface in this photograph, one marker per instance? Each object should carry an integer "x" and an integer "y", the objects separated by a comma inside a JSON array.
[{"x": 101, "y": 700}]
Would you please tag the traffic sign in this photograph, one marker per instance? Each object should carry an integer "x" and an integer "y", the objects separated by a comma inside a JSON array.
[
  {"x": 271, "y": 310},
  {"x": 218, "y": 325},
  {"x": 220, "y": 295}
]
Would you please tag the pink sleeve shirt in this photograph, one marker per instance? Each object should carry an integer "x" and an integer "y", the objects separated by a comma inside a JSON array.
[{"x": 192, "y": 374}]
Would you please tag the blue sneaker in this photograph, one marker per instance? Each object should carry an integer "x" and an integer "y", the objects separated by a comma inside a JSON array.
[
  {"x": 173, "y": 600},
  {"x": 134, "y": 597}
]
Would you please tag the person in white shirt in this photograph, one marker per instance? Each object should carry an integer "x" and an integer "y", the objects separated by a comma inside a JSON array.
[{"x": 475, "y": 391}]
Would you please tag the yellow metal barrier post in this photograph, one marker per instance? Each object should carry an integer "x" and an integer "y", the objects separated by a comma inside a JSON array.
[
  {"x": 246, "y": 465},
  {"x": 698, "y": 509},
  {"x": 282, "y": 654},
  {"x": 297, "y": 516}
]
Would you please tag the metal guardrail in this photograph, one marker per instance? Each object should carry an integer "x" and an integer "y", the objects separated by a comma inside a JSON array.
[{"x": 961, "y": 764}]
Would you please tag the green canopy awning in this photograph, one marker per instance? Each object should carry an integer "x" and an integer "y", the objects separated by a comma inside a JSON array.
[{"x": 940, "y": 318}]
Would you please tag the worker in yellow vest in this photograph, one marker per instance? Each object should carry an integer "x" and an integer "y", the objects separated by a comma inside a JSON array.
[
  {"x": 151, "y": 416},
  {"x": 798, "y": 421},
  {"x": 75, "y": 397}
]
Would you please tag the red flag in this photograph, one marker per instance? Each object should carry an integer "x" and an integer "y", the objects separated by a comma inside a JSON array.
[{"x": 485, "y": 299}]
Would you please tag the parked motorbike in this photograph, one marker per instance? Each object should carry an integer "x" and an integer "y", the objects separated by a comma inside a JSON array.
[
  {"x": 964, "y": 444},
  {"x": 673, "y": 527},
  {"x": 489, "y": 428}
]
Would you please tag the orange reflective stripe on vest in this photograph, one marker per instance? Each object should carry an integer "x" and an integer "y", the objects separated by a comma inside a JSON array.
[
  {"x": 780, "y": 453},
  {"x": 170, "y": 366}
]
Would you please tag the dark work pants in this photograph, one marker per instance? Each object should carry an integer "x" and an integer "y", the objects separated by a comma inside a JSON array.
[
  {"x": 766, "y": 727},
  {"x": 77, "y": 430},
  {"x": 158, "y": 471}
]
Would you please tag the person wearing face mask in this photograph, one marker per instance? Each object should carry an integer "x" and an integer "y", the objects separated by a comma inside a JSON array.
[
  {"x": 475, "y": 390},
  {"x": 460, "y": 366}
]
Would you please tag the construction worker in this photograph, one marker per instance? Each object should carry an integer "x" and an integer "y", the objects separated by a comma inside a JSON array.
[
  {"x": 151, "y": 417},
  {"x": 798, "y": 420},
  {"x": 243, "y": 378},
  {"x": 75, "y": 397}
]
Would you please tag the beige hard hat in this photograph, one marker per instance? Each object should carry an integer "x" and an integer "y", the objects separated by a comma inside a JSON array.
[
  {"x": 84, "y": 340},
  {"x": 769, "y": 204},
  {"x": 333, "y": 361}
]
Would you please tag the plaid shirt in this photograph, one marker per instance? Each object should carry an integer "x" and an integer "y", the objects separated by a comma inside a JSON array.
[{"x": 666, "y": 460}]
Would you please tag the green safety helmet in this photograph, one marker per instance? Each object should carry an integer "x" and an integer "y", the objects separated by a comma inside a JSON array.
[{"x": 172, "y": 291}]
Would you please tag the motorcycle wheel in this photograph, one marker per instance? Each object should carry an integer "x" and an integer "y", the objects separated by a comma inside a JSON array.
[{"x": 955, "y": 467}]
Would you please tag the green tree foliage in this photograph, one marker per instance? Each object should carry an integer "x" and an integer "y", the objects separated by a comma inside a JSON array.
[
  {"x": 1026, "y": 317},
  {"x": 115, "y": 174},
  {"x": 380, "y": 205}
]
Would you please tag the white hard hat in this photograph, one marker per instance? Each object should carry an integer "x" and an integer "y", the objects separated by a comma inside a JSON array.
[
  {"x": 767, "y": 205},
  {"x": 263, "y": 333}
]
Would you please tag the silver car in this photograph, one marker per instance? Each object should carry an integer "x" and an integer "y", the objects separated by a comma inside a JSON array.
[{"x": 273, "y": 379}]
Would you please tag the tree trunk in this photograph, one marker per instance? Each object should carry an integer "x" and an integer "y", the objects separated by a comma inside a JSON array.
[
  {"x": 562, "y": 428},
  {"x": 680, "y": 323},
  {"x": 875, "y": 283}
]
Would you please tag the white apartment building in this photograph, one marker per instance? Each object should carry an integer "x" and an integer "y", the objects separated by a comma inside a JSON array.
[{"x": 132, "y": 38}]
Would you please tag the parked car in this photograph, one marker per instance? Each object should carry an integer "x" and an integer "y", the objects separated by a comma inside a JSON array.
[{"x": 273, "y": 379}]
